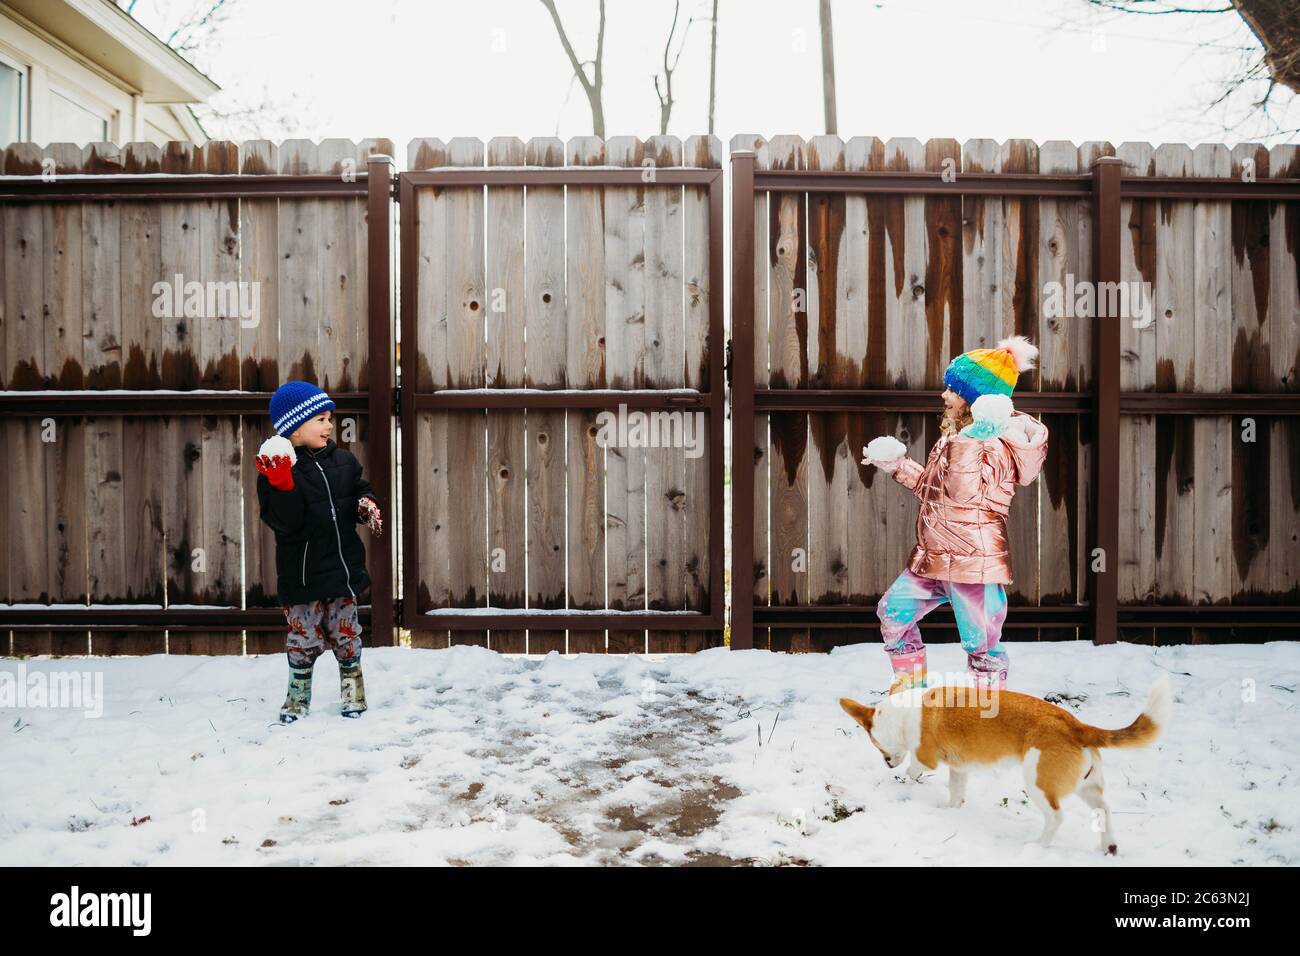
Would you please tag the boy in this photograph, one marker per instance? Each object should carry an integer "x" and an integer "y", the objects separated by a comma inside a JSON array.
[{"x": 313, "y": 504}]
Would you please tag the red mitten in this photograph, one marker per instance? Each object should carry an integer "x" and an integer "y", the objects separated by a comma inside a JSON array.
[
  {"x": 368, "y": 513},
  {"x": 278, "y": 471}
]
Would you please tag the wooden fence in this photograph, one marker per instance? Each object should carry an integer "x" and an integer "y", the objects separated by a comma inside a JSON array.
[
  {"x": 544, "y": 282},
  {"x": 537, "y": 293},
  {"x": 862, "y": 267},
  {"x": 130, "y": 515}
]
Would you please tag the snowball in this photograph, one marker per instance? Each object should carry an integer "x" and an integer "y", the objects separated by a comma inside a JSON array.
[
  {"x": 884, "y": 448},
  {"x": 277, "y": 446}
]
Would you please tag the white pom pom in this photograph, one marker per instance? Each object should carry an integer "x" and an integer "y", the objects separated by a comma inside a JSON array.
[
  {"x": 277, "y": 446},
  {"x": 884, "y": 448},
  {"x": 1023, "y": 352},
  {"x": 996, "y": 409}
]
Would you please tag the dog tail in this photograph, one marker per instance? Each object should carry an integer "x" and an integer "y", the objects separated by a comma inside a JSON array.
[{"x": 1145, "y": 729}]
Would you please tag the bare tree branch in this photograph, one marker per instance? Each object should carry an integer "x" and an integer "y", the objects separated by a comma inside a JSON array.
[
  {"x": 594, "y": 86},
  {"x": 666, "y": 95},
  {"x": 1275, "y": 62}
]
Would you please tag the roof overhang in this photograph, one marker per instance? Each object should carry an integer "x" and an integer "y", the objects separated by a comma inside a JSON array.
[{"x": 103, "y": 34}]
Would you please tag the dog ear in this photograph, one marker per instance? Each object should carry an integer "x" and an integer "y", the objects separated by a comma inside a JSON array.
[{"x": 862, "y": 715}]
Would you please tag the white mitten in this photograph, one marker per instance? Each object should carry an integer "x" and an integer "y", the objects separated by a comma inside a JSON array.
[
  {"x": 991, "y": 414},
  {"x": 885, "y": 452}
]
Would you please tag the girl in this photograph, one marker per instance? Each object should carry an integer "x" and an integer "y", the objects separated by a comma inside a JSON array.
[
  {"x": 313, "y": 503},
  {"x": 985, "y": 449}
]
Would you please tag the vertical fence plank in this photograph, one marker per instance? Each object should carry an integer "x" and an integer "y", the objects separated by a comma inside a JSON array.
[
  {"x": 1085, "y": 329},
  {"x": 222, "y": 458},
  {"x": 1017, "y": 276},
  {"x": 858, "y": 362},
  {"x": 101, "y": 302},
  {"x": 197, "y": 450},
  {"x": 342, "y": 315},
  {"x": 898, "y": 266},
  {"x": 787, "y": 264},
  {"x": 585, "y": 364},
  {"x": 944, "y": 308},
  {"x": 546, "y": 316},
  {"x": 1136, "y": 563},
  {"x": 143, "y": 547},
  {"x": 625, "y": 311},
  {"x": 1284, "y": 350},
  {"x": 1212, "y": 577},
  {"x": 64, "y": 358},
  {"x": 299, "y": 288},
  {"x": 505, "y": 369},
  {"x": 24, "y": 333},
  {"x": 830, "y": 321},
  {"x": 466, "y": 430},
  {"x": 665, "y": 467},
  {"x": 432, "y": 492},
  {"x": 1059, "y": 262},
  {"x": 259, "y": 350},
  {"x": 1175, "y": 372},
  {"x": 700, "y": 577},
  {"x": 1249, "y": 327}
]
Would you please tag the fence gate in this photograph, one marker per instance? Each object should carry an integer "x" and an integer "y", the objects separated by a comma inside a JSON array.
[{"x": 561, "y": 394}]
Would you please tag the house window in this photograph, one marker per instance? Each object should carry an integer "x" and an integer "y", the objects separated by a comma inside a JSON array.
[
  {"x": 12, "y": 93},
  {"x": 70, "y": 122}
]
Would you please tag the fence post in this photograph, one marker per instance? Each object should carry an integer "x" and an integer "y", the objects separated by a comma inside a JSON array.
[
  {"x": 1104, "y": 586},
  {"x": 742, "y": 400},
  {"x": 379, "y": 446}
]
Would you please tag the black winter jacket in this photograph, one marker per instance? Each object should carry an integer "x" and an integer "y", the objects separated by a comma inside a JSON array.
[{"x": 318, "y": 553}]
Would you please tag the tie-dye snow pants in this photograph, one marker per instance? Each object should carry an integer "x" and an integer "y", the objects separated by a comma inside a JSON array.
[{"x": 979, "y": 609}]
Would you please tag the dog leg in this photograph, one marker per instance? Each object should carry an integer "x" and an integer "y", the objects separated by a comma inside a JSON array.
[
  {"x": 1092, "y": 793},
  {"x": 1051, "y": 818},
  {"x": 956, "y": 787},
  {"x": 914, "y": 769},
  {"x": 1051, "y": 814}
]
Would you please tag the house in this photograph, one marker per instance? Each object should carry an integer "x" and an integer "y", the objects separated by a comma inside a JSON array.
[{"x": 84, "y": 71}]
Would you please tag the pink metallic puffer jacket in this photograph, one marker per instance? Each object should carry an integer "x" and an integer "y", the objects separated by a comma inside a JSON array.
[{"x": 965, "y": 489}]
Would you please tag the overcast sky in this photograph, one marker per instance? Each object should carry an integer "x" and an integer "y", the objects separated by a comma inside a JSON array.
[{"x": 1051, "y": 69}]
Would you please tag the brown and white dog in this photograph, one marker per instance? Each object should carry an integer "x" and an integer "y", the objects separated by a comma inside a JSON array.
[{"x": 1060, "y": 754}]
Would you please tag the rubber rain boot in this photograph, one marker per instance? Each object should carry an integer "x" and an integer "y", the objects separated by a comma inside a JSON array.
[
  {"x": 298, "y": 701},
  {"x": 352, "y": 687}
]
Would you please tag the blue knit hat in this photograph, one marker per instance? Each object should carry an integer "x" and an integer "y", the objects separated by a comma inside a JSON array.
[{"x": 295, "y": 402}]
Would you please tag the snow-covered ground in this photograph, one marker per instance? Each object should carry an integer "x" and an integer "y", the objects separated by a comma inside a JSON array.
[{"x": 466, "y": 756}]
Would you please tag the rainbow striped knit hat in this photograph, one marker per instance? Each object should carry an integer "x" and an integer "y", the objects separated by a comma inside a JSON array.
[{"x": 990, "y": 371}]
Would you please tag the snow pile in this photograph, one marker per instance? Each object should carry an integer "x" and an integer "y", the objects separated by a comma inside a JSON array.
[{"x": 466, "y": 756}]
